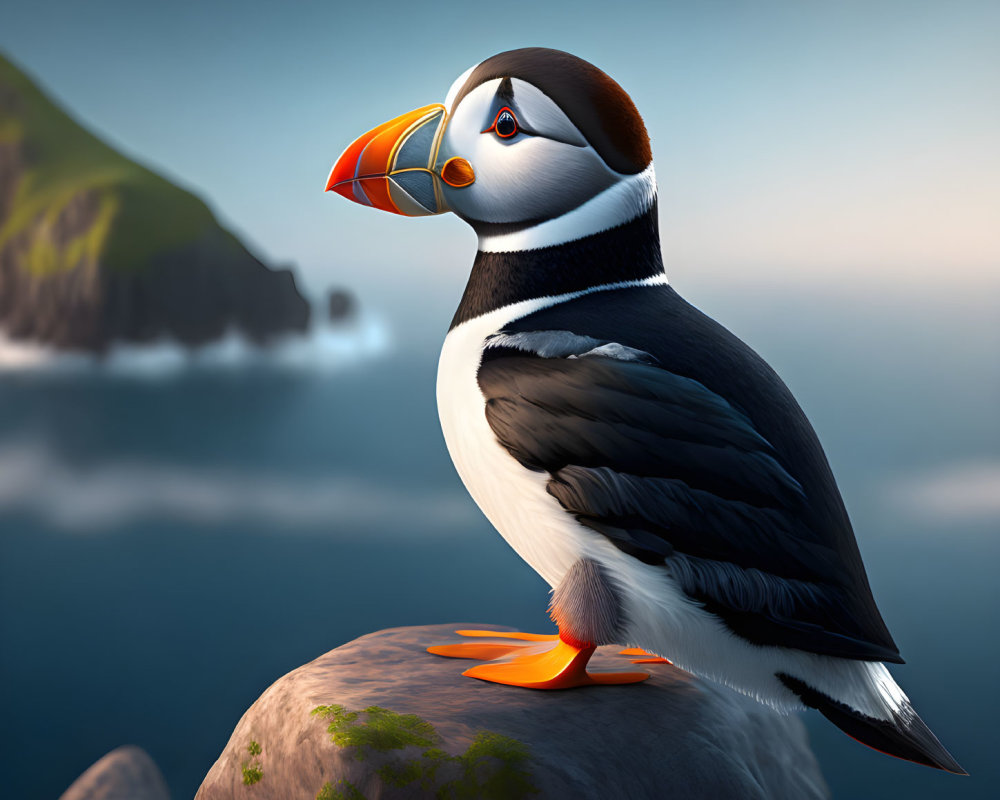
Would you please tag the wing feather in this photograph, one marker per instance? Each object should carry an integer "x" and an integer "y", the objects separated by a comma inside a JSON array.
[{"x": 675, "y": 475}]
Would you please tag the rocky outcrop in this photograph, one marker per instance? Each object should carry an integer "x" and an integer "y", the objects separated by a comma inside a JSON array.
[
  {"x": 379, "y": 717},
  {"x": 340, "y": 305},
  {"x": 126, "y": 773},
  {"x": 95, "y": 248}
]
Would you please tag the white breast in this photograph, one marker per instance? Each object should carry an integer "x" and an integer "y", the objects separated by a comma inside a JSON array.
[{"x": 513, "y": 498}]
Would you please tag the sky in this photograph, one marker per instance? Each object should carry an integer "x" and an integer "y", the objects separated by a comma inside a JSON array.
[{"x": 799, "y": 143}]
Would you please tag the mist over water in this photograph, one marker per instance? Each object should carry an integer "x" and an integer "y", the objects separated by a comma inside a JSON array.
[
  {"x": 326, "y": 347},
  {"x": 175, "y": 536}
]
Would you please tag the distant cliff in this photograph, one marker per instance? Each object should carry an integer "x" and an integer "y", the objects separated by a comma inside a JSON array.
[{"x": 95, "y": 248}]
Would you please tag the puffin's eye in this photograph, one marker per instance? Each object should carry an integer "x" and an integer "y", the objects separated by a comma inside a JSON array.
[{"x": 504, "y": 124}]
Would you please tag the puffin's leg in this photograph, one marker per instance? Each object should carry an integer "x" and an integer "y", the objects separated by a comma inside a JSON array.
[{"x": 585, "y": 608}]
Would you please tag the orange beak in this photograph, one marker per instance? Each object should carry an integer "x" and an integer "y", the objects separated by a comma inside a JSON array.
[{"x": 392, "y": 167}]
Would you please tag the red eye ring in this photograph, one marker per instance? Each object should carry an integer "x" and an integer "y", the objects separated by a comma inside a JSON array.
[{"x": 504, "y": 124}]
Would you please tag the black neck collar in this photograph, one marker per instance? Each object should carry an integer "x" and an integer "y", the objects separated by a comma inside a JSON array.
[{"x": 628, "y": 252}]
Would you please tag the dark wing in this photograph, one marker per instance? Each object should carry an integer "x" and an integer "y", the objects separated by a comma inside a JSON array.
[{"x": 672, "y": 473}]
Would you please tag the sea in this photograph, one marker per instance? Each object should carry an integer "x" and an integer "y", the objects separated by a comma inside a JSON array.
[{"x": 178, "y": 530}]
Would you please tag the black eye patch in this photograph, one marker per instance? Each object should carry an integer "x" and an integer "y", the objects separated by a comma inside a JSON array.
[{"x": 507, "y": 124}]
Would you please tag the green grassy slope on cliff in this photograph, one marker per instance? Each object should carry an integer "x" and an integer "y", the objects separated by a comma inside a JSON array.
[{"x": 139, "y": 214}]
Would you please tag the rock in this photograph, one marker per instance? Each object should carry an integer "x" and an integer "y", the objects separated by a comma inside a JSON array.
[
  {"x": 380, "y": 717},
  {"x": 126, "y": 773},
  {"x": 340, "y": 305},
  {"x": 95, "y": 248}
]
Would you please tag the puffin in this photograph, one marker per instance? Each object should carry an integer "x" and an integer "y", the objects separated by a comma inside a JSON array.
[{"x": 643, "y": 460}]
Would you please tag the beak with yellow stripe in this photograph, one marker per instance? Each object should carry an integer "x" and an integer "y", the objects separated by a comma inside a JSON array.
[{"x": 394, "y": 167}]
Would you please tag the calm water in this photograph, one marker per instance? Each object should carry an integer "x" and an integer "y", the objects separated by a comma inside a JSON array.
[{"x": 171, "y": 546}]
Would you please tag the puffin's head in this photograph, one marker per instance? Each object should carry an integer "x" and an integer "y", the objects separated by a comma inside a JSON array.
[{"x": 523, "y": 137}]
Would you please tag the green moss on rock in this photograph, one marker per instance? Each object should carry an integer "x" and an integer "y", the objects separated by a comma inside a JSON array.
[
  {"x": 494, "y": 767},
  {"x": 383, "y": 730},
  {"x": 252, "y": 773},
  {"x": 344, "y": 790}
]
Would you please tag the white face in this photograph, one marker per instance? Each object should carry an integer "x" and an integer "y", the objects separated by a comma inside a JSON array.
[{"x": 542, "y": 170}]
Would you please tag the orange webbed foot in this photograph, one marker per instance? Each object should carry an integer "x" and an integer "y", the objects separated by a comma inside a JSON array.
[
  {"x": 548, "y": 663},
  {"x": 487, "y": 651},
  {"x": 646, "y": 657}
]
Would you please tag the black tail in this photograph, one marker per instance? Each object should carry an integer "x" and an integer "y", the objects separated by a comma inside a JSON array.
[{"x": 906, "y": 737}]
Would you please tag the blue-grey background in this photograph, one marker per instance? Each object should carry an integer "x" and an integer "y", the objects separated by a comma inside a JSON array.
[{"x": 174, "y": 536}]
